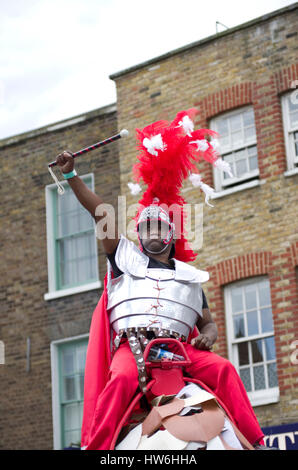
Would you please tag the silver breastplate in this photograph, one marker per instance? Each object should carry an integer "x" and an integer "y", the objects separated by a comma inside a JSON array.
[{"x": 156, "y": 302}]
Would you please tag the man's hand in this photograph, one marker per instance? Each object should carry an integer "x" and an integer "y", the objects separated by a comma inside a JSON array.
[
  {"x": 202, "y": 342},
  {"x": 65, "y": 161}
]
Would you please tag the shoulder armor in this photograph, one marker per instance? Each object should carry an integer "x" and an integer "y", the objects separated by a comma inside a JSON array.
[{"x": 131, "y": 260}]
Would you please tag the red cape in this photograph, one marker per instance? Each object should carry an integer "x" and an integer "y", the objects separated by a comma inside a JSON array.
[{"x": 98, "y": 361}]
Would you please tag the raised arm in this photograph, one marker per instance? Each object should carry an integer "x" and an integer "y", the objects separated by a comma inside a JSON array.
[{"x": 91, "y": 202}]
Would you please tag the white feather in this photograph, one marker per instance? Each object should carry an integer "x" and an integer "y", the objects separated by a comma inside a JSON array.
[
  {"x": 215, "y": 144},
  {"x": 224, "y": 166},
  {"x": 135, "y": 188},
  {"x": 196, "y": 181},
  {"x": 202, "y": 145},
  {"x": 153, "y": 144},
  {"x": 187, "y": 125}
]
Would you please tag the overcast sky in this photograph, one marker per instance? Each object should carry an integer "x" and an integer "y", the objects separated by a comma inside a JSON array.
[{"x": 57, "y": 55}]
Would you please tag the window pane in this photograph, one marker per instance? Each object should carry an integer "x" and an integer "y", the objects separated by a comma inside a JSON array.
[
  {"x": 270, "y": 348},
  {"x": 83, "y": 269},
  {"x": 238, "y": 326},
  {"x": 241, "y": 167},
  {"x": 249, "y": 134},
  {"x": 259, "y": 377},
  {"x": 222, "y": 127},
  {"x": 85, "y": 246},
  {"x": 292, "y": 104},
  {"x": 293, "y": 108},
  {"x": 257, "y": 352},
  {"x": 81, "y": 408},
  {"x": 245, "y": 377},
  {"x": 71, "y": 416},
  {"x": 72, "y": 437},
  {"x": 68, "y": 362},
  {"x": 243, "y": 356},
  {"x": 272, "y": 375},
  {"x": 252, "y": 323},
  {"x": 69, "y": 388},
  {"x": 237, "y": 303},
  {"x": 264, "y": 293},
  {"x": 266, "y": 320},
  {"x": 81, "y": 386},
  {"x": 235, "y": 122},
  {"x": 67, "y": 250},
  {"x": 72, "y": 360},
  {"x": 81, "y": 358},
  {"x": 294, "y": 118},
  {"x": 77, "y": 259},
  {"x": 236, "y": 137},
  {"x": 253, "y": 163},
  {"x": 250, "y": 294},
  {"x": 248, "y": 117}
]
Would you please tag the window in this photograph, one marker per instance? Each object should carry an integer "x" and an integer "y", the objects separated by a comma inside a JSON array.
[
  {"x": 68, "y": 365},
  {"x": 251, "y": 338},
  {"x": 72, "y": 247},
  {"x": 290, "y": 120},
  {"x": 238, "y": 146}
]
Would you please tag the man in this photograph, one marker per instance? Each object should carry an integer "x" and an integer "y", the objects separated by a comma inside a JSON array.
[{"x": 138, "y": 277}]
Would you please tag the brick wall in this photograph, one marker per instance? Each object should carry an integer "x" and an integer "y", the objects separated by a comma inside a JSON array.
[
  {"x": 251, "y": 232},
  {"x": 26, "y": 397}
]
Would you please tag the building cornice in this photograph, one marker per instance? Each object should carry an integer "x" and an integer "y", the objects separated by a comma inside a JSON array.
[
  {"x": 214, "y": 37},
  {"x": 15, "y": 139}
]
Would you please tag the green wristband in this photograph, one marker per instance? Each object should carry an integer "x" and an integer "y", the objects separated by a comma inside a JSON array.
[{"x": 69, "y": 175}]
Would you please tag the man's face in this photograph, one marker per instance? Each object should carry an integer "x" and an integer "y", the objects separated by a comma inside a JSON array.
[{"x": 152, "y": 233}]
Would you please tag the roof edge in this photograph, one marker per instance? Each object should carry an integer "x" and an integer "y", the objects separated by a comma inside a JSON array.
[
  {"x": 192, "y": 45},
  {"x": 55, "y": 126}
]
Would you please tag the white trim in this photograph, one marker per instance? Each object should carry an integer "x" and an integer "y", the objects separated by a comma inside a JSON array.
[
  {"x": 236, "y": 189},
  {"x": 291, "y": 172},
  {"x": 264, "y": 397},
  {"x": 288, "y": 131},
  {"x": 72, "y": 290},
  {"x": 55, "y": 387},
  {"x": 53, "y": 293}
]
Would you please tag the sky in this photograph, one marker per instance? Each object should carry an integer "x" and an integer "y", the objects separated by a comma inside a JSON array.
[{"x": 56, "y": 55}]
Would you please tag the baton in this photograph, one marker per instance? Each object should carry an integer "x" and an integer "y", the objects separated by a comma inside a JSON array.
[{"x": 122, "y": 133}]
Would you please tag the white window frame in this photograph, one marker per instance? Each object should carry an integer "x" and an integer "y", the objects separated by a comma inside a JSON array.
[
  {"x": 256, "y": 397},
  {"x": 244, "y": 180},
  {"x": 292, "y": 159},
  {"x": 53, "y": 293},
  {"x": 57, "y": 436}
]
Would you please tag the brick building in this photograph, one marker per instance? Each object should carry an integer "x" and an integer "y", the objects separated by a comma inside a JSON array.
[{"x": 243, "y": 83}]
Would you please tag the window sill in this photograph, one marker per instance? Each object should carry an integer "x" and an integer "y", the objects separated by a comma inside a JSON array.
[
  {"x": 72, "y": 290},
  {"x": 236, "y": 189},
  {"x": 291, "y": 172},
  {"x": 264, "y": 397}
]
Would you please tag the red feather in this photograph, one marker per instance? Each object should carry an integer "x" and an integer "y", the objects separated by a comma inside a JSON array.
[{"x": 165, "y": 173}]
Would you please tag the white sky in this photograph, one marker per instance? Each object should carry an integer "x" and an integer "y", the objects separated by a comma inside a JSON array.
[{"x": 57, "y": 55}]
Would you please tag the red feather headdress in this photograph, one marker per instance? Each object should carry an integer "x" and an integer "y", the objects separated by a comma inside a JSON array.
[{"x": 168, "y": 154}]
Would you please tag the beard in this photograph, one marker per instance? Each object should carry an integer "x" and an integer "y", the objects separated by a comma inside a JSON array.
[{"x": 154, "y": 245}]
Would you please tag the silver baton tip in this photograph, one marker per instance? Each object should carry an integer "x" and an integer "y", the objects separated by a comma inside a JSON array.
[{"x": 124, "y": 133}]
